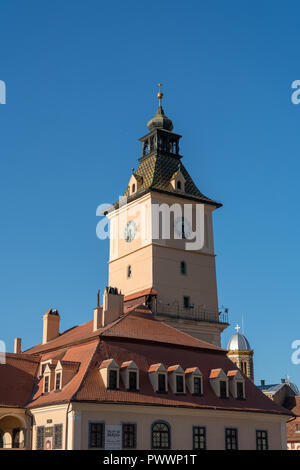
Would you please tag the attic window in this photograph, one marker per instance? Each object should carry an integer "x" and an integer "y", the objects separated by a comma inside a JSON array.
[
  {"x": 112, "y": 379},
  {"x": 223, "y": 389},
  {"x": 132, "y": 380},
  {"x": 179, "y": 185},
  {"x": 130, "y": 375},
  {"x": 161, "y": 383},
  {"x": 197, "y": 386},
  {"x": 46, "y": 384},
  {"x": 58, "y": 381},
  {"x": 179, "y": 384},
  {"x": 240, "y": 390}
]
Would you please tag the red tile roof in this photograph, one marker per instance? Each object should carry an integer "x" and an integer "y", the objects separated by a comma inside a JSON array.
[
  {"x": 136, "y": 336},
  {"x": 232, "y": 373},
  {"x": 214, "y": 373}
]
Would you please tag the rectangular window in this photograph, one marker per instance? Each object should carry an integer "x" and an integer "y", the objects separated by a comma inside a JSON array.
[
  {"x": 96, "y": 440},
  {"x": 186, "y": 302},
  {"x": 197, "y": 386},
  {"x": 262, "y": 440},
  {"x": 129, "y": 435},
  {"x": 112, "y": 379},
  {"x": 40, "y": 437},
  {"x": 231, "y": 439},
  {"x": 46, "y": 384},
  {"x": 161, "y": 382},
  {"x": 57, "y": 381},
  {"x": 132, "y": 380},
  {"x": 58, "y": 434},
  {"x": 179, "y": 384},
  {"x": 240, "y": 390},
  {"x": 223, "y": 389},
  {"x": 199, "y": 438}
]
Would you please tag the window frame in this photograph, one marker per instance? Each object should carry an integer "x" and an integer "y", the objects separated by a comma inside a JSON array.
[
  {"x": 58, "y": 446},
  {"x": 165, "y": 382},
  {"x": 168, "y": 432},
  {"x": 242, "y": 384},
  {"x": 178, "y": 377},
  {"x": 58, "y": 373},
  {"x": 130, "y": 372},
  {"x": 40, "y": 436},
  {"x": 46, "y": 381},
  {"x": 109, "y": 371},
  {"x": 226, "y": 388},
  {"x": 203, "y": 428},
  {"x": 229, "y": 439},
  {"x": 134, "y": 435},
  {"x": 259, "y": 440},
  {"x": 198, "y": 377},
  {"x": 102, "y": 423}
]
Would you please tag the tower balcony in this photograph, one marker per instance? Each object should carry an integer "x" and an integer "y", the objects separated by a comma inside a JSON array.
[{"x": 193, "y": 312}]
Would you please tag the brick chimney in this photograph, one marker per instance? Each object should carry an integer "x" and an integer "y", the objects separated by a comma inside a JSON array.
[
  {"x": 50, "y": 325},
  {"x": 112, "y": 308},
  {"x": 17, "y": 345}
]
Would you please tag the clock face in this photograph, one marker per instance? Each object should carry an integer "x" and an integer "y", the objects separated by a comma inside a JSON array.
[
  {"x": 130, "y": 231},
  {"x": 182, "y": 227}
]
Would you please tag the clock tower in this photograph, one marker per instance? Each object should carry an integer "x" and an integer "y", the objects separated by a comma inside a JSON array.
[{"x": 161, "y": 238}]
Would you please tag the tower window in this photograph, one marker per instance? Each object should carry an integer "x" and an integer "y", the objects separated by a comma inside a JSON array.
[
  {"x": 179, "y": 185},
  {"x": 186, "y": 302},
  {"x": 183, "y": 267},
  {"x": 146, "y": 148},
  {"x": 129, "y": 273},
  {"x": 133, "y": 189}
]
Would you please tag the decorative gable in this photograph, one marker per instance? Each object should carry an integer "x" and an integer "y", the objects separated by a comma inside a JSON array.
[
  {"x": 176, "y": 379},
  {"x": 236, "y": 384},
  {"x": 110, "y": 373},
  {"x": 158, "y": 377},
  {"x": 219, "y": 382},
  {"x": 130, "y": 375}
]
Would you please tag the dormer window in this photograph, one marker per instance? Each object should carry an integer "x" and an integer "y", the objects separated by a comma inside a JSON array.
[
  {"x": 219, "y": 382},
  {"x": 236, "y": 384},
  {"x": 58, "y": 381},
  {"x": 176, "y": 379},
  {"x": 158, "y": 377},
  {"x": 179, "y": 185},
  {"x": 223, "y": 389},
  {"x": 112, "y": 379},
  {"x": 130, "y": 375},
  {"x": 194, "y": 380},
  {"x": 161, "y": 383},
  {"x": 109, "y": 371},
  {"x": 46, "y": 383}
]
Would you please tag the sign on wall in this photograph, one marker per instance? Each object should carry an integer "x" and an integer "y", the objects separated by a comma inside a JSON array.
[{"x": 113, "y": 437}]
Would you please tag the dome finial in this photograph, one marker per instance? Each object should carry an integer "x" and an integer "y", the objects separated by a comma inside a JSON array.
[
  {"x": 237, "y": 328},
  {"x": 159, "y": 94}
]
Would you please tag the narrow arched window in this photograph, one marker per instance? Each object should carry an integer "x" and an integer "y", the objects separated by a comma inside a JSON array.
[
  {"x": 183, "y": 267},
  {"x": 161, "y": 435},
  {"x": 129, "y": 271}
]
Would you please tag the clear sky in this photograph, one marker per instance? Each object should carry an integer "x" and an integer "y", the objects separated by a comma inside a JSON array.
[{"x": 81, "y": 82}]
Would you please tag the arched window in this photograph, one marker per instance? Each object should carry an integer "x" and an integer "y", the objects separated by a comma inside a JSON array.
[
  {"x": 183, "y": 267},
  {"x": 161, "y": 436},
  {"x": 129, "y": 271}
]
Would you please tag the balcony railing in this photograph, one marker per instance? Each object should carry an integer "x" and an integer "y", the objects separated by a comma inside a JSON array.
[{"x": 193, "y": 312}]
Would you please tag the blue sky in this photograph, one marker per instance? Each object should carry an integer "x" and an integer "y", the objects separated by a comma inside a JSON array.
[{"x": 81, "y": 82}]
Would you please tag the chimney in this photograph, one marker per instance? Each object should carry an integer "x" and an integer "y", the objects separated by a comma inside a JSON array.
[
  {"x": 51, "y": 325},
  {"x": 17, "y": 345},
  {"x": 113, "y": 304},
  {"x": 263, "y": 383}
]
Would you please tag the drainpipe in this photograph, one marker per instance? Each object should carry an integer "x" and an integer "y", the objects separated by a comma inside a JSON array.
[
  {"x": 67, "y": 422},
  {"x": 29, "y": 434}
]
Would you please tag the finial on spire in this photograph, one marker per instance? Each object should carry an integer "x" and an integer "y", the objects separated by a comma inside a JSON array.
[
  {"x": 237, "y": 328},
  {"x": 160, "y": 94}
]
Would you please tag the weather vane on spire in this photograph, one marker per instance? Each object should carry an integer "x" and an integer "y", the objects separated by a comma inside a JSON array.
[{"x": 160, "y": 94}]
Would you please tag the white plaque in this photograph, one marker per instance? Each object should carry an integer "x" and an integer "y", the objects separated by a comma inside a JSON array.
[{"x": 113, "y": 437}]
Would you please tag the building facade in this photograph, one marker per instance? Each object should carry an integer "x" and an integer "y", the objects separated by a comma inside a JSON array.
[{"x": 147, "y": 371}]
